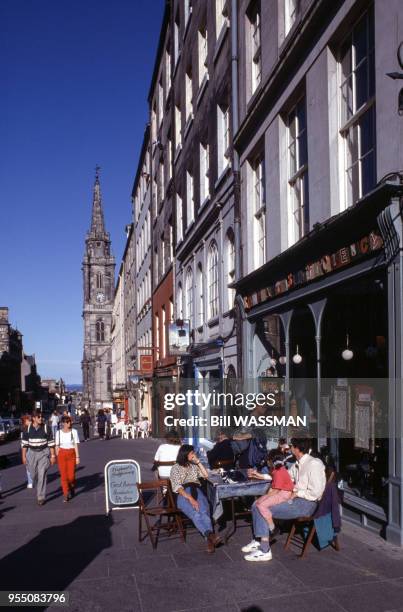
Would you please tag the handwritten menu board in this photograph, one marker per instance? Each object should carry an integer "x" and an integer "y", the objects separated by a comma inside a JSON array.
[{"x": 121, "y": 478}]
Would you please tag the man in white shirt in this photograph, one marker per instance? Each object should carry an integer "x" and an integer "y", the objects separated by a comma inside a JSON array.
[
  {"x": 310, "y": 481},
  {"x": 167, "y": 452}
]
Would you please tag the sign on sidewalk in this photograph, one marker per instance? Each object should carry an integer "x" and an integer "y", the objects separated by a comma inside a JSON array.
[{"x": 121, "y": 479}]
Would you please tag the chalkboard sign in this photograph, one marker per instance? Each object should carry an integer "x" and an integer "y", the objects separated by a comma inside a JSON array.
[{"x": 121, "y": 478}]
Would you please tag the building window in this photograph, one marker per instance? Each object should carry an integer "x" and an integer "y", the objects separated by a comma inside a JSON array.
[
  {"x": 170, "y": 241},
  {"x": 100, "y": 330},
  {"x": 212, "y": 274},
  {"x": 259, "y": 210},
  {"x": 189, "y": 296},
  {"x": 154, "y": 124},
  {"x": 203, "y": 48},
  {"x": 163, "y": 333},
  {"x": 161, "y": 181},
  {"x": 223, "y": 151},
  {"x": 204, "y": 172},
  {"x": 163, "y": 254},
  {"x": 230, "y": 265},
  {"x": 255, "y": 59},
  {"x": 176, "y": 38},
  {"x": 188, "y": 94},
  {"x": 167, "y": 71},
  {"x": 179, "y": 219},
  {"x": 109, "y": 379},
  {"x": 100, "y": 280},
  {"x": 160, "y": 102},
  {"x": 179, "y": 302},
  {"x": 157, "y": 334},
  {"x": 298, "y": 224},
  {"x": 187, "y": 10},
  {"x": 290, "y": 14},
  {"x": 168, "y": 150},
  {"x": 178, "y": 118},
  {"x": 357, "y": 68},
  {"x": 190, "y": 207},
  {"x": 220, "y": 16},
  {"x": 200, "y": 294}
]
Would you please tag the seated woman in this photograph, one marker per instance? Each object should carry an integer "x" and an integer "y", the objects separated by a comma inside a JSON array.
[{"x": 185, "y": 475}]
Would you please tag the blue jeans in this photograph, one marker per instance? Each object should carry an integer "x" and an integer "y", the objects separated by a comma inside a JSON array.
[
  {"x": 54, "y": 431},
  {"x": 201, "y": 519},
  {"x": 285, "y": 511}
]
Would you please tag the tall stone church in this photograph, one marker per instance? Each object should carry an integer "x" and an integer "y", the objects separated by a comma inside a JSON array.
[{"x": 98, "y": 280}]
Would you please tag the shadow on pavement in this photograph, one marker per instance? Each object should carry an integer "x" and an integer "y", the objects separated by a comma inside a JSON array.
[
  {"x": 46, "y": 561},
  {"x": 83, "y": 485}
]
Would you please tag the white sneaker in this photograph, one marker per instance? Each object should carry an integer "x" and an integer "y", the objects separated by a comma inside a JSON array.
[
  {"x": 29, "y": 486},
  {"x": 254, "y": 545},
  {"x": 258, "y": 555}
]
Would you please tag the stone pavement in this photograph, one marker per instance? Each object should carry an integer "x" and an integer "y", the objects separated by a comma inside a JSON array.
[{"x": 75, "y": 547}]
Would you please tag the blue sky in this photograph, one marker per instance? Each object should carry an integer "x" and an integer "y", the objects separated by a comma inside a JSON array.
[{"x": 74, "y": 77}]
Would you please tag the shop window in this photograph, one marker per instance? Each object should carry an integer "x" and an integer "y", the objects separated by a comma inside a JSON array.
[
  {"x": 212, "y": 273},
  {"x": 298, "y": 201},
  {"x": 357, "y": 92}
]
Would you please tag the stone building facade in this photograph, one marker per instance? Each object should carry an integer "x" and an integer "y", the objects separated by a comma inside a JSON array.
[{"x": 98, "y": 284}]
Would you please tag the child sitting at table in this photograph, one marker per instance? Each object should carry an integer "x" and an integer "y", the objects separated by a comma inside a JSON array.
[{"x": 281, "y": 486}]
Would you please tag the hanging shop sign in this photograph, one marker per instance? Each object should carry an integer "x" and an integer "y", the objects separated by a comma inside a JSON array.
[
  {"x": 326, "y": 264},
  {"x": 146, "y": 364}
]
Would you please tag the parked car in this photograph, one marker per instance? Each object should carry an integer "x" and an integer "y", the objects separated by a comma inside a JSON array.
[
  {"x": 10, "y": 428},
  {"x": 17, "y": 425},
  {"x": 3, "y": 433}
]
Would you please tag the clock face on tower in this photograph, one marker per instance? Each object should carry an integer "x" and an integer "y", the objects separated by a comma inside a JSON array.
[{"x": 100, "y": 297}]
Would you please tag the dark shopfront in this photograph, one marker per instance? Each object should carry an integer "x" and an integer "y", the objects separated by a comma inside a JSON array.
[{"x": 325, "y": 317}]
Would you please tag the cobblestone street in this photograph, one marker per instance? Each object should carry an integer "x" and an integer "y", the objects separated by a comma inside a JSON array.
[{"x": 100, "y": 562}]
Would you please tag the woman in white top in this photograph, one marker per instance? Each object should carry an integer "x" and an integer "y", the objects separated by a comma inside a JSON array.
[
  {"x": 67, "y": 456},
  {"x": 167, "y": 452}
]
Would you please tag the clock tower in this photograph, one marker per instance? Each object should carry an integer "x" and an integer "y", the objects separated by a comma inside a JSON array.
[{"x": 98, "y": 284}]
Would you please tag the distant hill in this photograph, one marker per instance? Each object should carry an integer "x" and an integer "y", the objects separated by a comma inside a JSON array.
[{"x": 74, "y": 387}]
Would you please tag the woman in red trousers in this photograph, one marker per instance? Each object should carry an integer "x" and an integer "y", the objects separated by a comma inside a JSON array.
[{"x": 67, "y": 456}]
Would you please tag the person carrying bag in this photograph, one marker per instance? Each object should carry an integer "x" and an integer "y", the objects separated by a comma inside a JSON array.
[{"x": 67, "y": 456}]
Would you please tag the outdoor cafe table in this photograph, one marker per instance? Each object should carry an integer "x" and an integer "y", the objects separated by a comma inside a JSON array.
[{"x": 218, "y": 490}]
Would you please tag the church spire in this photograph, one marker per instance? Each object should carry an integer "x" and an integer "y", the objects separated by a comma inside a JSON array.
[{"x": 97, "y": 219}]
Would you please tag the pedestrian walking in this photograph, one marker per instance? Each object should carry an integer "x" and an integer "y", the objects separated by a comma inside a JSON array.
[
  {"x": 54, "y": 423},
  {"x": 38, "y": 453},
  {"x": 101, "y": 422},
  {"x": 108, "y": 424},
  {"x": 68, "y": 457},
  {"x": 144, "y": 427},
  {"x": 85, "y": 420},
  {"x": 25, "y": 422}
]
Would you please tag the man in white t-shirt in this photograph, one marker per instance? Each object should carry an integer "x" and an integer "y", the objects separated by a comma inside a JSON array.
[
  {"x": 167, "y": 452},
  {"x": 54, "y": 423}
]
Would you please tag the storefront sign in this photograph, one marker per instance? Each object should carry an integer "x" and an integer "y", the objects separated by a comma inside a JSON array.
[
  {"x": 121, "y": 479},
  {"x": 326, "y": 264}
]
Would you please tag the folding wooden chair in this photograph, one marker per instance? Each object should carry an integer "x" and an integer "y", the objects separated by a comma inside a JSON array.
[
  {"x": 307, "y": 522},
  {"x": 165, "y": 507}
]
